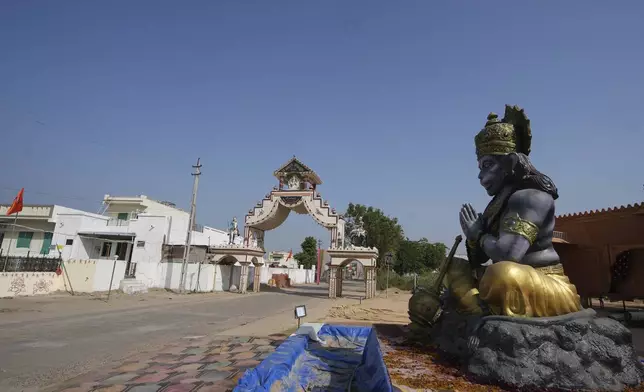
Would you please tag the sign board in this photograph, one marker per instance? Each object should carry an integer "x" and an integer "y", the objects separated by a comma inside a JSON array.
[
  {"x": 389, "y": 258},
  {"x": 300, "y": 312}
]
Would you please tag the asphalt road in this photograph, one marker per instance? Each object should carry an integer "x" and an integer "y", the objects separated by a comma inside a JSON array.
[{"x": 39, "y": 352}]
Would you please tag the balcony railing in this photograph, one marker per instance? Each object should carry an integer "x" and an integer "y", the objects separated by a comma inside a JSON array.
[
  {"x": 118, "y": 222},
  {"x": 28, "y": 263},
  {"x": 560, "y": 234}
]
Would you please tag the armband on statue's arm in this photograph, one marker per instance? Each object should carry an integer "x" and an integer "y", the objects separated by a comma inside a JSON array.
[{"x": 514, "y": 224}]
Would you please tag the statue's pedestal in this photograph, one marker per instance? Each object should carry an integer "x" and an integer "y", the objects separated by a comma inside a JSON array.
[{"x": 576, "y": 352}]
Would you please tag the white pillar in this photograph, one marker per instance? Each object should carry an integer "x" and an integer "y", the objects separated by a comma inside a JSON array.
[
  {"x": 243, "y": 278},
  {"x": 338, "y": 282},
  {"x": 256, "y": 282},
  {"x": 332, "y": 281},
  {"x": 370, "y": 282}
]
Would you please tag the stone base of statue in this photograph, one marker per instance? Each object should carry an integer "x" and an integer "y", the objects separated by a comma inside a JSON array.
[{"x": 576, "y": 352}]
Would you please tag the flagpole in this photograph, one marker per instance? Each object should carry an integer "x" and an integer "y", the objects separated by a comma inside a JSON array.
[{"x": 13, "y": 231}]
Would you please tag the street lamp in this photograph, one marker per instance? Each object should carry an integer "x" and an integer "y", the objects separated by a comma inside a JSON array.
[
  {"x": 300, "y": 313},
  {"x": 389, "y": 257}
]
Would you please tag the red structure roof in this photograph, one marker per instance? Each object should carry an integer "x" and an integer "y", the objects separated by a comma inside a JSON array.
[{"x": 637, "y": 208}]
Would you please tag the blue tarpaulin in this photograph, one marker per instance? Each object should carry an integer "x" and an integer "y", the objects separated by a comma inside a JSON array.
[{"x": 349, "y": 359}]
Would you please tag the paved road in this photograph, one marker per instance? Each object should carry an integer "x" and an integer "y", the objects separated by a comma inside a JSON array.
[{"x": 37, "y": 353}]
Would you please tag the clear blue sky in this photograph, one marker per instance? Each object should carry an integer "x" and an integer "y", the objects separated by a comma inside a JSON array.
[{"x": 381, "y": 98}]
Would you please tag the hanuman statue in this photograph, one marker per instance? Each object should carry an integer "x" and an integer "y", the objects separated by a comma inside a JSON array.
[{"x": 526, "y": 278}]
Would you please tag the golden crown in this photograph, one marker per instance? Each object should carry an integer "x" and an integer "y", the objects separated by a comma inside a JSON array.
[{"x": 502, "y": 137}]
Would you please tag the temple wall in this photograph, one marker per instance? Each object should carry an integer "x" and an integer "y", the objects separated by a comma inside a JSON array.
[
  {"x": 603, "y": 229},
  {"x": 594, "y": 241}
]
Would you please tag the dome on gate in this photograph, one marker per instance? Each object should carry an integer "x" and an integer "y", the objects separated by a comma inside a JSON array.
[{"x": 295, "y": 168}]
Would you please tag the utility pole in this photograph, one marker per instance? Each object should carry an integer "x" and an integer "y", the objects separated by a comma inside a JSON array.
[{"x": 191, "y": 222}]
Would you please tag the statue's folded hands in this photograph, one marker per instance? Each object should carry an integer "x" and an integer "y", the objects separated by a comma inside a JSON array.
[{"x": 472, "y": 223}]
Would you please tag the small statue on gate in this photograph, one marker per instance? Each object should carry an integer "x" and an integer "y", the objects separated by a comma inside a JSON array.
[
  {"x": 358, "y": 234},
  {"x": 233, "y": 231}
]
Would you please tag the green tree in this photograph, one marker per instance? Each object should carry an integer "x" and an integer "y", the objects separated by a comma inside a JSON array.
[
  {"x": 383, "y": 232},
  {"x": 408, "y": 258},
  {"x": 419, "y": 256},
  {"x": 433, "y": 254},
  {"x": 309, "y": 254}
]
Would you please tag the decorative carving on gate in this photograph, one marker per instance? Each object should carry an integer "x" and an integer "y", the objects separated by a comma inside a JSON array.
[{"x": 290, "y": 200}]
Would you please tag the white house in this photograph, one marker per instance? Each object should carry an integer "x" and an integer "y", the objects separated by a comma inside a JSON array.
[
  {"x": 37, "y": 229},
  {"x": 279, "y": 258},
  {"x": 156, "y": 231},
  {"x": 135, "y": 237},
  {"x": 30, "y": 252}
]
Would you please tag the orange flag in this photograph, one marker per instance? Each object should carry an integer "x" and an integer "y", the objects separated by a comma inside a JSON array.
[
  {"x": 16, "y": 206},
  {"x": 290, "y": 254}
]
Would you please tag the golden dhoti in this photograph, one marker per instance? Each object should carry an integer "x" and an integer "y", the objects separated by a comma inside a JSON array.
[{"x": 513, "y": 289}]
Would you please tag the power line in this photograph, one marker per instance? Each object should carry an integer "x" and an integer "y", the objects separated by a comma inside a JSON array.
[
  {"x": 31, "y": 116},
  {"x": 35, "y": 229},
  {"x": 49, "y": 194},
  {"x": 80, "y": 235}
]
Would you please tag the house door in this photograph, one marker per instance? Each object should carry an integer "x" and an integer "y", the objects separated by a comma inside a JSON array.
[
  {"x": 121, "y": 251},
  {"x": 46, "y": 243}
]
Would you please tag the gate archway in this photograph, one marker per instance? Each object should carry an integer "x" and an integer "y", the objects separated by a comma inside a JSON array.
[{"x": 297, "y": 192}]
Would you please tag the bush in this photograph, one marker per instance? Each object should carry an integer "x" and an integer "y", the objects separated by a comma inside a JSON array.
[{"x": 404, "y": 282}]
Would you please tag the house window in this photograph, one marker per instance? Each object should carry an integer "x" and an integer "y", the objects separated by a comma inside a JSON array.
[
  {"x": 69, "y": 241},
  {"x": 46, "y": 243},
  {"x": 140, "y": 244},
  {"x": 122, "y": 216},
  {"x": 24, "y": 239},
  {"x": 106, "y": 250}
]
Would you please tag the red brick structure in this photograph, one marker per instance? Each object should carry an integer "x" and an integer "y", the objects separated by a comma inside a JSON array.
[
  {"x": 281, "y": 280},
  {"x": 589, "y": 244}
]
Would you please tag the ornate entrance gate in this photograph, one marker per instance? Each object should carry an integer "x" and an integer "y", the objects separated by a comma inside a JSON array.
[{"x": 297, "y": 191}]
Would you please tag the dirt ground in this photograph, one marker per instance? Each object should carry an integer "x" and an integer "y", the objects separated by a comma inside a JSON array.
[
  {"x": 20, "y": 309},
  {"x": 387, "y": 309},
  {"x": 415, "y": 369}
]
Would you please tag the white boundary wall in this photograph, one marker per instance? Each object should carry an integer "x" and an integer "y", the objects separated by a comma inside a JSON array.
[
  {"x": 103, "y": 274},
  {"x": 94, "y": 276},
  {"x": 216, "y": 277},
  {"x": 298, "y": 276},
  {"x": 85, "y": 276},
  {"x": 199, "y": 277}
]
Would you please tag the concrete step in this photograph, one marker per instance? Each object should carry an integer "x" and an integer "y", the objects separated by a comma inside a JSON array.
[{"x": 132, "y": 286}]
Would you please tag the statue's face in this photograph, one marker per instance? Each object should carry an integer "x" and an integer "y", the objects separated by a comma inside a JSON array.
[{"x": 491, "y": 174}]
